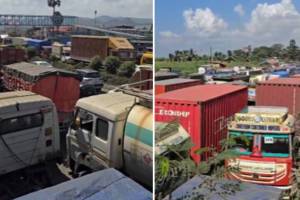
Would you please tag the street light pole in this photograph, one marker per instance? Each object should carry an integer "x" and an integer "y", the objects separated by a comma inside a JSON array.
[
  {"x": 96, "y": 17},
  {"x": 53, "y": 4}
]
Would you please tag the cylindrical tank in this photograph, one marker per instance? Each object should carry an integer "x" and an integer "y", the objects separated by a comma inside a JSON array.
[{"x": 138, "y": 144}]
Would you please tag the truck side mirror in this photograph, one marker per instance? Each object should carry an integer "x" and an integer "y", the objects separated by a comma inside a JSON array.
[{"x": 76, "y": 123}]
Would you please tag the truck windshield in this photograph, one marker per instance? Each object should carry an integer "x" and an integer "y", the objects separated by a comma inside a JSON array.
[
  {"x": 92, "y": 75},
  {"x": 146, "y": 61},
  {"x": 275, "y": 145},
  {"x": 243, "y": 142}
]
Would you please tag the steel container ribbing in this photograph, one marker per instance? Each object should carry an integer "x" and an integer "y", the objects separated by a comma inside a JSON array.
[{"x": 204, "y": 116}]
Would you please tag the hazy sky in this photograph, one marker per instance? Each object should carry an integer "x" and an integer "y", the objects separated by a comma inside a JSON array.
[
  {"x": 84, "y": 8},
  {"x": 223, "y": 25}
]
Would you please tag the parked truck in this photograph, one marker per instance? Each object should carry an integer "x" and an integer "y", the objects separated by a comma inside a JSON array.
[
  {"x": 147, "y": 58},
  {"x": 85, "y": 48},
  {"x": 10, "y": 54},
  {"x": 267, "y": 146},
  {"x": 203, "y": 111},
  {"x": 29, "y": 132},
  {"x": 169, "y": 136},
  {"x": 113, "y": 130},
  {"x": 61, "y": 86}
]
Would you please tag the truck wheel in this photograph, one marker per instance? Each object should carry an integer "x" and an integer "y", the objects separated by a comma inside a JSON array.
[{"x": 72, "y": 164}]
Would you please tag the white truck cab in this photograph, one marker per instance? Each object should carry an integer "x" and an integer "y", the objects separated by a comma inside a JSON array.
[
  {"x": 111, "y": 130},
  {"x": 95, "y": 137},
  {"x": 29, "y": 132}
]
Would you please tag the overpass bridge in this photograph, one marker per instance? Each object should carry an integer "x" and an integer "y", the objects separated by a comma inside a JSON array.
[
  {"x": 46, "y": 21},
  {"x": 109, "y": 32},
  {"x": 34, "y": 20}
]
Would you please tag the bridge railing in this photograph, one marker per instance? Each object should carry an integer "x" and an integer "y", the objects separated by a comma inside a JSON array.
[{"x": 34, "y": 20}]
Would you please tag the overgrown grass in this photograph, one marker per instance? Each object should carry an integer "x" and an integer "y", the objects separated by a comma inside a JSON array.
[
  {"x": 113, "y": 79},
  {"x": 188, "y": 67},
  {"x": 185, "y": 68}
]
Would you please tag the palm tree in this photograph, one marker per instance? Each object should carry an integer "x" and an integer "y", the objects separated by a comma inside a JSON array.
[{"x": 53, "y": 4}]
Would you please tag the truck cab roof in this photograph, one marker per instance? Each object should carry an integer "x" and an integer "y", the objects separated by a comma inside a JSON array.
[
  {"x": 21, "y": 100},
  {"x": 87, "y": 71},
  {"x": 113, "y": 106}
]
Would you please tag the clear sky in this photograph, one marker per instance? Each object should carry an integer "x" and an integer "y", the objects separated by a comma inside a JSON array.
[
  {"x": 83, "y": 8},
  {"x": 223, "y": 25}
]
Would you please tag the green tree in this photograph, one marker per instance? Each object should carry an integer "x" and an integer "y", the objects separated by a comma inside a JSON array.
[
  {"x": 229, "y": 53},
  {"x": 262, "y": 52},
  {"x": 205, "y": 57},
  {"x": 126, "y": 69},
  {"x": 292, "y": 50},
  {"x": 240, "y": 54},
  {"x": 112, "y": 63},
  {"x": 277, "y": 50},
  {"x": 171, "y": 57},
  {"x": 96, "y": 63},
  {"x": 172, "y": 171},
  {"x": 53, "y": 58},
  {"x": 31, "y": 52}
]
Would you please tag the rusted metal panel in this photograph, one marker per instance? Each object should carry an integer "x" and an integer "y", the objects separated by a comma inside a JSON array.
[
  {"x": 296, "y": 76},
  {"x": 174, "y": 84},
  {"x": 61, "y": 87},
  {"x": 203, "y": 111},
  {"x": 25, "y": 142},
  {"x": 145, "y": 73},
  {"x": 9, "y": 55},
  {"x": 86, "y": 47},
  {"x": 280, "y": 92}
]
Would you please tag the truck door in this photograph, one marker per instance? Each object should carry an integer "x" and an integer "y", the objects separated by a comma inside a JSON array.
[
  {"x": 20, "y": 137},
  {"x": 84, "y": 132},
  {"x": 101, "y": 140}
]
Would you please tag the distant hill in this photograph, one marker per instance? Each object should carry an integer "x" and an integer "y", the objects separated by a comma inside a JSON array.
[{"x": 107, "y": 21}]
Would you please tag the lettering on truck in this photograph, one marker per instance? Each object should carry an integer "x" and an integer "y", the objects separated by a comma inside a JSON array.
[{"x": 175, "y": 113}]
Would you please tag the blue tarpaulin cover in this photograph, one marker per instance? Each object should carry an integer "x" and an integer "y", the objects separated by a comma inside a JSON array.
[
  {"x": 107, "y": 184},
  {"x": 282, "y": 74},
  {"x": 247, "y": 191},
  {"x": 37, "y": 43}
]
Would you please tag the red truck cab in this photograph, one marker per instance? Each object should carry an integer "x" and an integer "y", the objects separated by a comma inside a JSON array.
[{"x": 263, "y": 141}]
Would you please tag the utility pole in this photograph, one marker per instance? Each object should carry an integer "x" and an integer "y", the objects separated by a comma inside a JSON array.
[
  {"x": 210, "y": 52},
  {"x": 57, "y": 18},
  {"x": 95, "y": 17}
]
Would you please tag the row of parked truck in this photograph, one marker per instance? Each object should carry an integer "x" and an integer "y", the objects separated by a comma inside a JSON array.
[
  {"x": 42, "y": 117},
  {"x": 210, "y": 113}
]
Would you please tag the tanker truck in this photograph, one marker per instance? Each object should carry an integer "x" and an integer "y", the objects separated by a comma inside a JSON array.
[
  {"x": 267, "y": 143},
  {"x": 113, "y": 130}
]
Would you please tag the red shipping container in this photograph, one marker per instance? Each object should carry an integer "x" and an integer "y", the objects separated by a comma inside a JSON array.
[
  {"x": 61, "y": 86},
  {"x": 144, "y": 73},
  {"x": 9, "y": 55},
  {"x": 174, "y": 84},
  {"x": 84, "y": 48},
  {"x": 296, "y": 76},
  {"x": 280, "y": 92},
  {"x": 203, "y": 111}
]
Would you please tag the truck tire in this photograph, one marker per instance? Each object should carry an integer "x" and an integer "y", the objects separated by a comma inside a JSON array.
[{"x": 71, "y": 163}]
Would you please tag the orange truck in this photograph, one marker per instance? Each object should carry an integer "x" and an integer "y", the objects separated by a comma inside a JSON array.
[{"x": 265, "y": 143}]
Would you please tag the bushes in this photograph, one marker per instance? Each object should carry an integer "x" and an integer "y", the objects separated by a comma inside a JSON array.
[
  {"x": 127, "y": 68},
  {"x": 112, "y": 63},
  {"x": 61, "y": 65},
  {"x": 112, "y": 79},
  {"x": 96, "y": 63},
  {"x": 31, "y": 52},
  {"x": 53, "y": 58}
]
